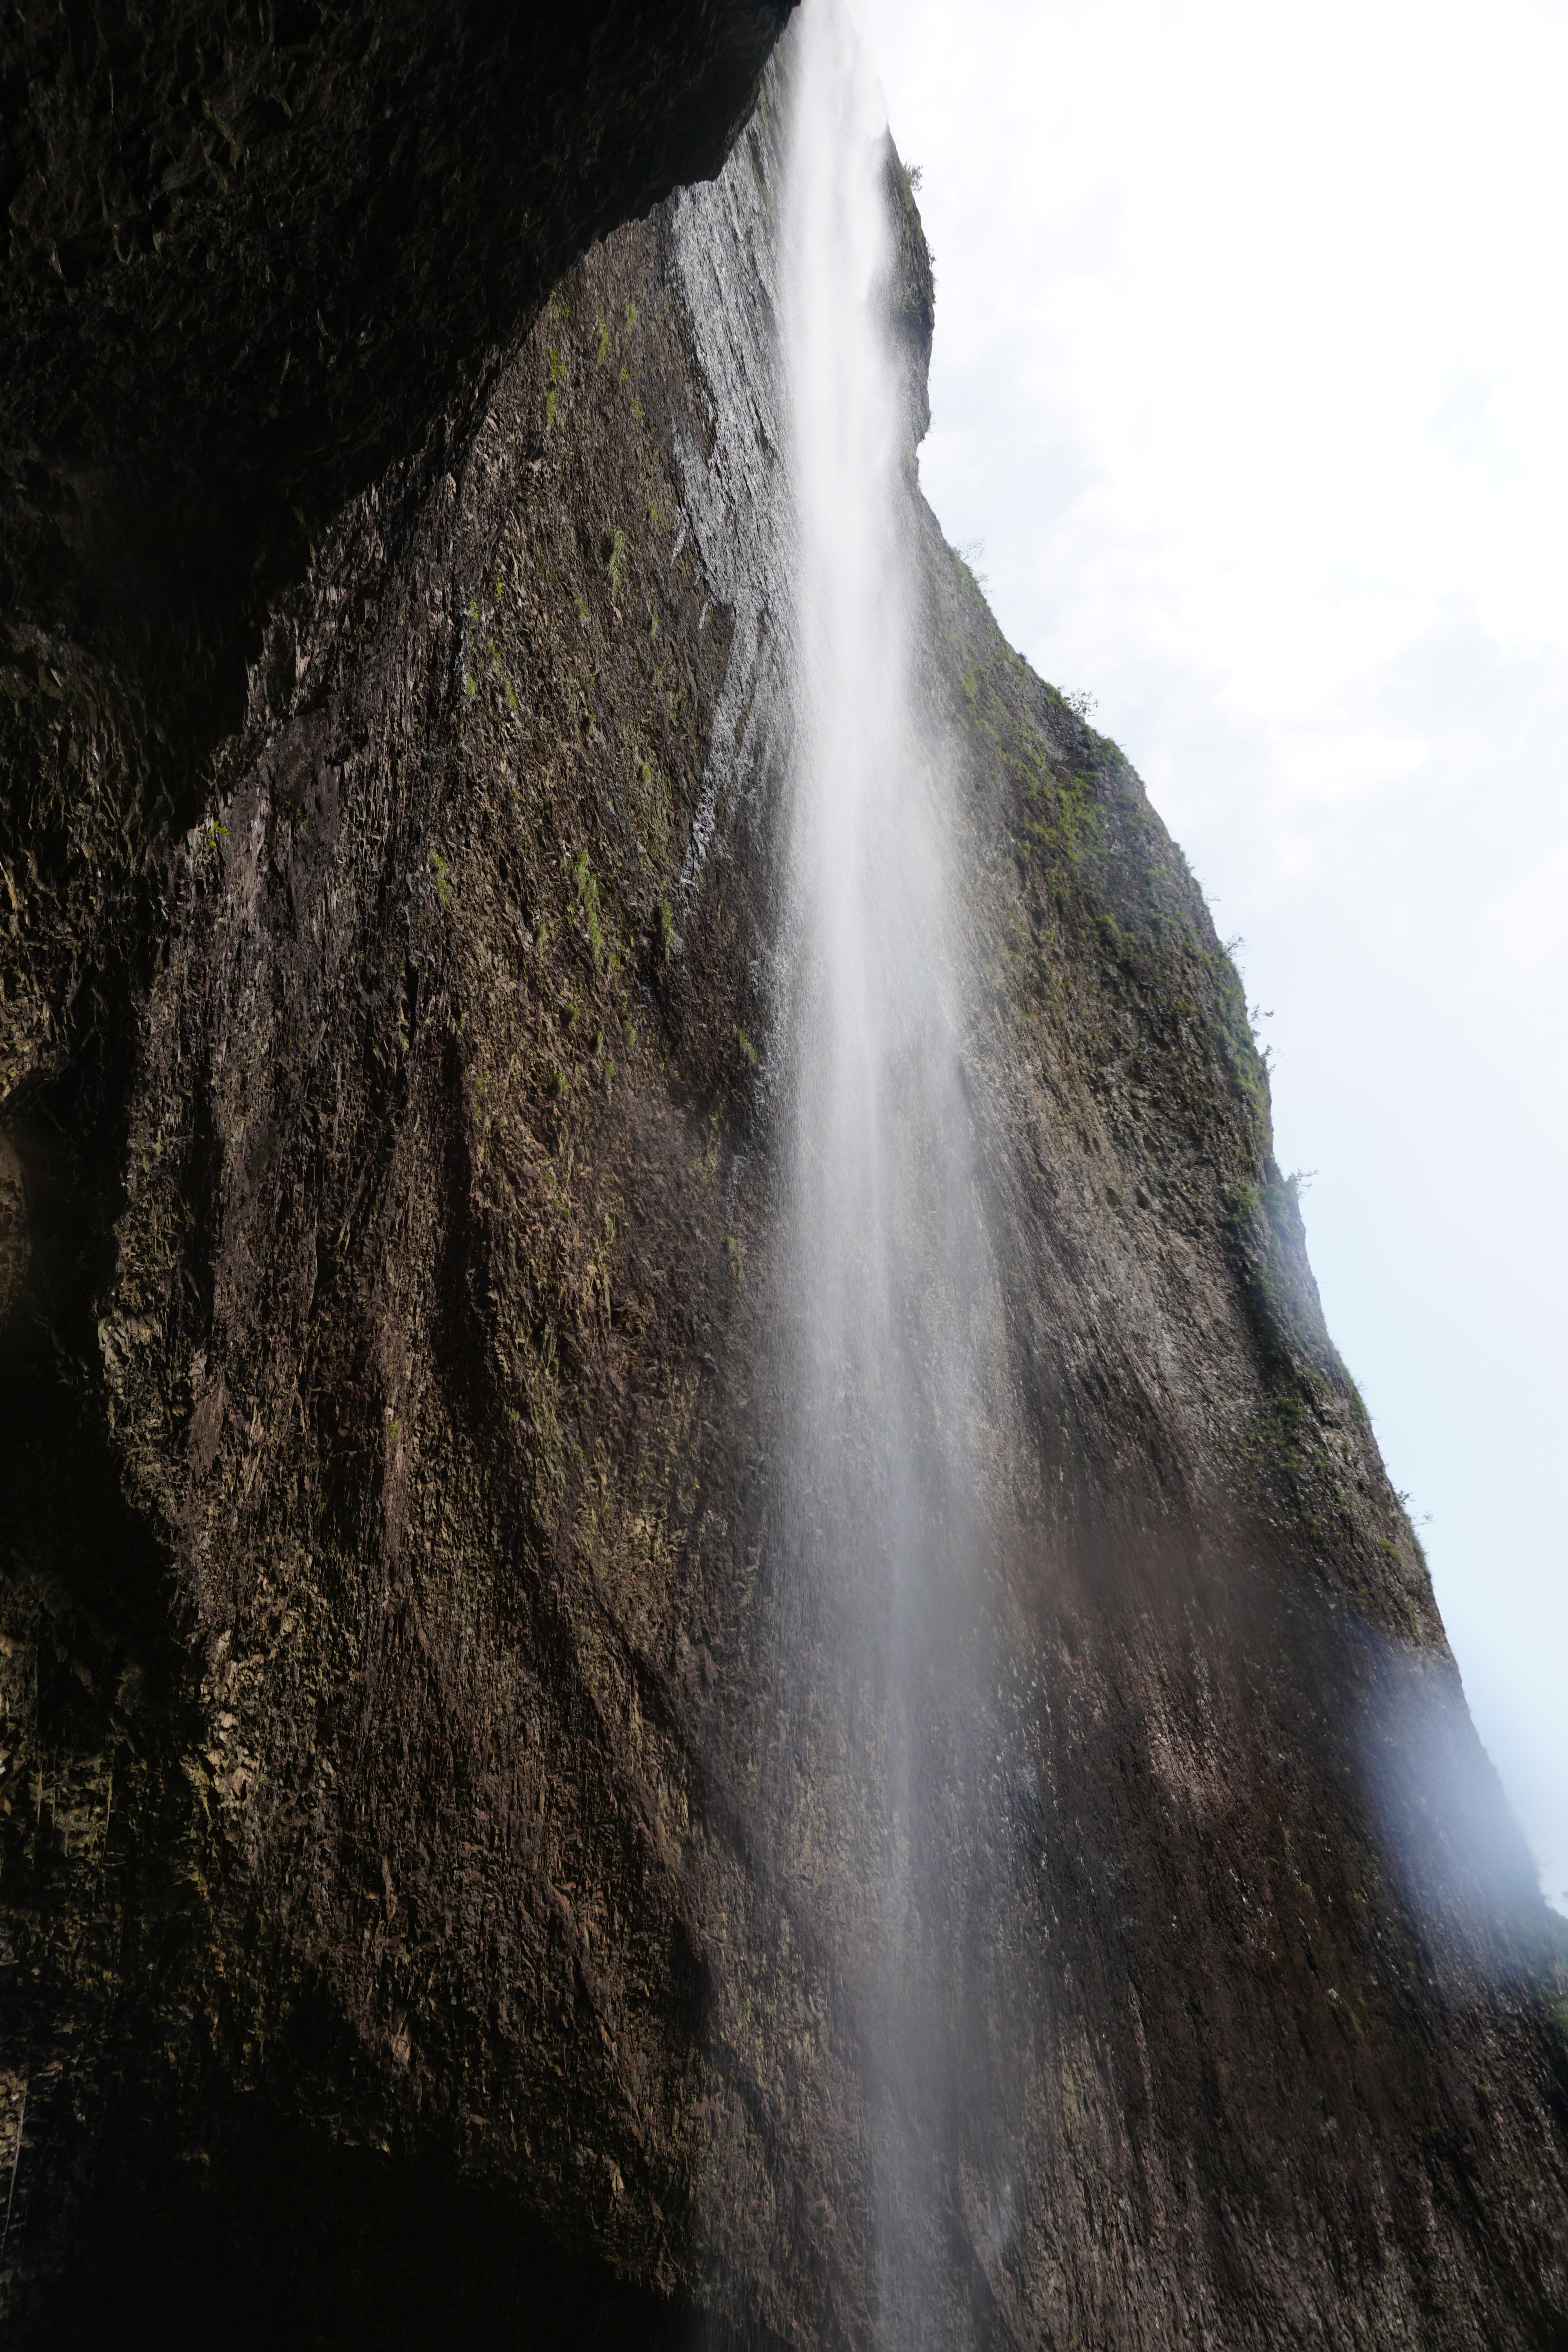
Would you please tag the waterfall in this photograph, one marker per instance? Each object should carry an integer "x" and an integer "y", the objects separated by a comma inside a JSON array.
[{"x": 890, "y": 1312}]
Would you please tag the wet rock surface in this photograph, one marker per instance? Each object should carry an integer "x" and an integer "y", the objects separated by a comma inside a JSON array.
[{"x": 390, "y": 1627}]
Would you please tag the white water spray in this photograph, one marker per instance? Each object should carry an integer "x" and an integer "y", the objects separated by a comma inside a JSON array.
[{"x": 890, "y": 1307}]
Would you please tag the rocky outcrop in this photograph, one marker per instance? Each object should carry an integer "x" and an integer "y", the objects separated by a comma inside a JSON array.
[
  {"x": 254, "y": 255},
  {"x": 394, "y": 1941}
]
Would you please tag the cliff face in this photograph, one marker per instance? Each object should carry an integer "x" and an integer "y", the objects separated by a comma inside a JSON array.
[
  {"x": 390, "y": 1626},
  {"x": 256, "y": 251}
]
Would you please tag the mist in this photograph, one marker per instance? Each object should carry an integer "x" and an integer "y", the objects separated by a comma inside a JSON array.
[{"x": 887, "y": 1306}]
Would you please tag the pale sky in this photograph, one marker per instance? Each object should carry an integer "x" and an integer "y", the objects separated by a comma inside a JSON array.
[{"x": 1251, "y": 374}]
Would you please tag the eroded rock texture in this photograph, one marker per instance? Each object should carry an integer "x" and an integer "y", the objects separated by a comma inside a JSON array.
[
  {"x": 398, "y": 1944},
  {"x": 256, "y": 251}
]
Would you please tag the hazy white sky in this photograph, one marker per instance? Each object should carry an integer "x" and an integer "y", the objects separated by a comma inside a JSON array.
[{"x": 1251, "y": 373}]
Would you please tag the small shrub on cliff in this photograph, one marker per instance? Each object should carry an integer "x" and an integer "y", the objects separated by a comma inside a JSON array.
[
  {"x": 663, "y": 939},
  {"x": 588, "y": 900}
]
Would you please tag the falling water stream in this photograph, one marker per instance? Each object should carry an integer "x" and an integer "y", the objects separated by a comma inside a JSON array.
[{"x": 893, "y": 1301}]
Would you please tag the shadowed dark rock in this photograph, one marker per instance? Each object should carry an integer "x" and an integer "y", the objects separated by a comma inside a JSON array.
[
  {"x": 253, "y": 254},
  {"x": 253, "y": 250}
]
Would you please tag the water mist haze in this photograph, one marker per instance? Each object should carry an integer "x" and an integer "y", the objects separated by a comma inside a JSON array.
[{"x": 888, "y": 1319}]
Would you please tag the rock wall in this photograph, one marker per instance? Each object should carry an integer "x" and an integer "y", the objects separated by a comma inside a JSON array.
[
  {"x": 389, "y": 1620},
  {"x": 256, "y": 251}
]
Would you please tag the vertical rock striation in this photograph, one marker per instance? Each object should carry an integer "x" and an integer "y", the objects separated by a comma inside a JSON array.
[{"x": 390, "y": 1192}]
